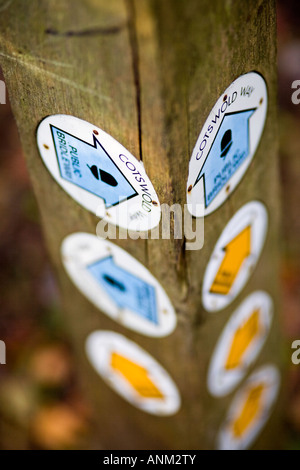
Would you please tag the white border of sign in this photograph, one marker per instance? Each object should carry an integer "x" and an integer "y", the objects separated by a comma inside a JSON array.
[
  {"x": 100, "y": 345},
  {"x": 221, "y": 381},
  {"x": 256, "y": 99},
  {"x": 253, "y": 213},
  {"x": 267, "y": 374},
  {"x": 80, "y": 250},
  {"x": 124, "y": 214}
]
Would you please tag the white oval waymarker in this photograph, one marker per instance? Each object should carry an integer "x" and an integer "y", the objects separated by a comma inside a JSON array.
[
  {"x": 227, "y": 143},
  {"x": 234, "y": 256},
  {"x": 131, "y": 372},
  {"x": 250, "y": 409},
  {"x": 118, "y": 284},
  {"x": 240, "y": 343},
  {"x": 98, "y": 172}
]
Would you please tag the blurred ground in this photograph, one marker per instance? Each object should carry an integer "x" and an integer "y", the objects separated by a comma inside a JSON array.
[{"x": 43, "y": 407}]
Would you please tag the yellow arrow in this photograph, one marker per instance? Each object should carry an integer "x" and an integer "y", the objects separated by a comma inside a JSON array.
[
  {"x": 236, "y": 251},
  {"x": 251, "y": 409},
  {"x": 136, "y": 375},
  {"x": 243, "y": 337}
]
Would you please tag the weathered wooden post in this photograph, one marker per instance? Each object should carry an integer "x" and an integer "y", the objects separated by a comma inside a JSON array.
[{"x": 162, "y": 78}]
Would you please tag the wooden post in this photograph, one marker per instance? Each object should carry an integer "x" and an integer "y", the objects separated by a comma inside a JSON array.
[{"x": 148, "y": 72}]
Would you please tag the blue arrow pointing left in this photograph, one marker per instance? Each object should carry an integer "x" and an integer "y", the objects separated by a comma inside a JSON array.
[
  {"x": 125, "y": 289},
  {"x": 90, "y": 167},
  {"x": 227, "y": 152}
]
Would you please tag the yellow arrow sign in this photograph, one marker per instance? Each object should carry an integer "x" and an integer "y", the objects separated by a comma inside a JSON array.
[
  {"x": 236, "y": 251},
  {"x": 242, "y": 339},
  {"x": 250, "y": 411},
  {"x": 136, "y": 375}
]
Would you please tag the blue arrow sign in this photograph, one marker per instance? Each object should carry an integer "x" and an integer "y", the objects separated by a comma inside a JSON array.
[
  {"x": 125, "y": 289},
  {"x": 227, "y": 152},
  {"x": 90, "y": 167}
]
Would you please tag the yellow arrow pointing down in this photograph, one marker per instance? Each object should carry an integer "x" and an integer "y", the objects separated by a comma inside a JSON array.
[
  {"x": 242, "y": 339},
  {"x": 236, "y": 251},
  {"x": 250, "y": 411},
  {"x": 136, "y": 375}
]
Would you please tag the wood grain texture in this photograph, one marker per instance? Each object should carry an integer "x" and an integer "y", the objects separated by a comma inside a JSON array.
[{"x": 148, "y": 72}]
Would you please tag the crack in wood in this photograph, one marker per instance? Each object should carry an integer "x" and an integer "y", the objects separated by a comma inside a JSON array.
[
  {"x": 135, "y": 65},
  {"x": 87, "y": 32}
]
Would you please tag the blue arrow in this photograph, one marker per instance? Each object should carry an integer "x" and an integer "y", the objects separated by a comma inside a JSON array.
[
  {"x": 125, "y": 289},
  {"x": 227, "y": 152},
  {"x": 90, "y": 167}
]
